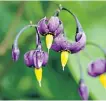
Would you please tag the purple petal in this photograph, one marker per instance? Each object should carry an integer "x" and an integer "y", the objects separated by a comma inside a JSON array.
[
  {"x": 38, "y": 58},
  {"x": 56, "y": 46},
  {"x": 45, "y": 58},
  {"x": 42, "y": 26},
  {"x": 78, "y": 36},
  {"x": 83, "y": 90},
  {"x": 15, "y": 53},
  {"x": 28, "y": 58},
  {"x": 60, "y": 43},
  {"x": 59, "y": 30},
  {"x": 65, "y": 44},
  {"x": 53, "y": 24},
  {"x": 97, "y": 67},
  {"x": 79, "y": 44}
]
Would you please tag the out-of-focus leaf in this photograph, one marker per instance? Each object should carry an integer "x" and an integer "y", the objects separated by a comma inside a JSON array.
[{"x": 95, "y": 33}]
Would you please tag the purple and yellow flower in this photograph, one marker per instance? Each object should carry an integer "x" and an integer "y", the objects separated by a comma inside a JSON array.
[
  {"x": 83, "y": 90},
  {"x": 98, "y": 68},
  {"x": 61, "y": 43},
  {"x": 36, "y": 58},
  {"x": 33, "y": 58},
  {"x": 50, "y": 28}
]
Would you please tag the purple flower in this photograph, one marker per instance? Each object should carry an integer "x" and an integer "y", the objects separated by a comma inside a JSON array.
[
  {"x": 53, "y": 26},
  {"x": 61, "y": 43},
  {"x": 83, "y": 90},
  {"x": 15, "y": 53},
  {"x": 96, "y": 68},
  {"x": 36, "y": 58},
  {"x": 50, "y": 28}
]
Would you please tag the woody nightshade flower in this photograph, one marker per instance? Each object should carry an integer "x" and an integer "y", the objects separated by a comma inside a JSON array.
[
  {"x": 98, "y": 67},
  {"x": 61, "y": 44},
  {"x": 33, "y": 58},
  {"x": 50, "y": 28},
  {"x": 36, "y": 58}
]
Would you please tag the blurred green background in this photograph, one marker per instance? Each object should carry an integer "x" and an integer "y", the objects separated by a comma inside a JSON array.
[{"x": 18, "y": 81}]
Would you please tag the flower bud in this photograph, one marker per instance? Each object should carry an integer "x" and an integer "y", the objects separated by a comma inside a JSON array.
[
  {"x": 15, "y": 53},
  {"x": 83, "y": 90}
]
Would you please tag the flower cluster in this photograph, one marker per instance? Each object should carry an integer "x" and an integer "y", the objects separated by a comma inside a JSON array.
[{"x": 56, "y": 40}]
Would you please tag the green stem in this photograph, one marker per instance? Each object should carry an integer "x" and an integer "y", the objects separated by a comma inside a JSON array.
[
  {"x": 80, "y": 67},
  {"x": 21, "y": 31},
  {"x": 98, "y": 46},
  {"x": 79, "y": 27}
]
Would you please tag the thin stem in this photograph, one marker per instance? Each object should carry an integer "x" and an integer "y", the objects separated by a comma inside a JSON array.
[
  {"x": 98, "y": 46},
  {"x": 38, "y": 41},
  {"x": 57, "y": 12},
  {"x": 79, "y": 27},
  {"x": 87, "y": 54},
  {"x": 22, "y": 30},
  {"x": 80, "y": 67}
]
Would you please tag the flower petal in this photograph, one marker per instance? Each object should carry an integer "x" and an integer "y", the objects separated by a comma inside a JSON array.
[
  {"x": 53, "y": 24},
  {"x": 59, "y": 30},
  {"x": 28, "y": 58},
  {"x": 45, "y": 58},
  {"x": 79, "y": 44},
  {"x": 61, "y": 43},
  {"x": 42, "y": 26},
  {"x": 56, "y": 46},
  {"x": 38, "y": 58},
  {"x": 97, "y": 67}
]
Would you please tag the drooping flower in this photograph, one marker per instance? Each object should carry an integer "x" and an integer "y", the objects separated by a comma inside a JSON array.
[
  {"x": 33, "y": 58},
  {"x": 50, "y": 28},
  {"x": 36, "y": 58},
  {"x": 98, "y": 68},
  {"x": 83, "y": 90},
  {"x": 61, "y": 44}
]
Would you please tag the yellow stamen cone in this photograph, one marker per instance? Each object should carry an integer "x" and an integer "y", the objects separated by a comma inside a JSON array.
[
  {"x": 103, "y": 80},
  {"x": 38, "y": 73},
  {"x": 64, "y": 58},
  {"x": 49, "y": 40}
]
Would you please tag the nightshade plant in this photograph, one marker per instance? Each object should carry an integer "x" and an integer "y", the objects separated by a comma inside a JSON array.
[
  {"x": 33, "y": 58},
  {"x": 56, "y": 40}
]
